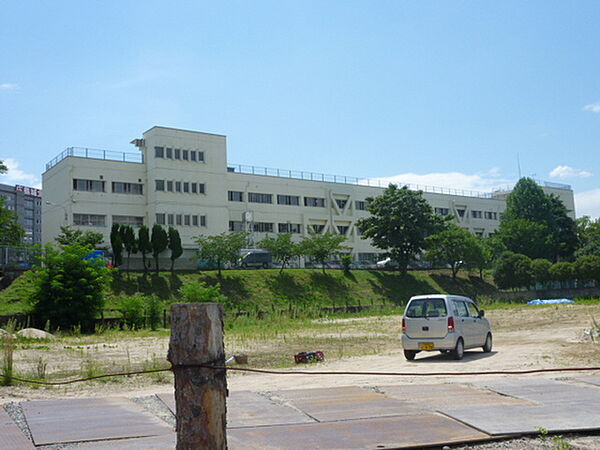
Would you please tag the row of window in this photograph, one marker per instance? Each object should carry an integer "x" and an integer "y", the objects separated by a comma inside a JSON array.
[
  {"x": 118, "y": 187},
  {"x": 269, "y": 227},
  {"x": 99, "y": 220},
  {"x": 177, "y": 153},
  {"x": 475, "y": 214},
  {"x": 180, "y": 186},
  {"x": 291, "y": 200},
  {"x": 188, "y": 220}
]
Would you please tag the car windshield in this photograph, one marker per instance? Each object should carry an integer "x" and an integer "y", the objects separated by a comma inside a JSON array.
[{"x": 427, "y": 307}]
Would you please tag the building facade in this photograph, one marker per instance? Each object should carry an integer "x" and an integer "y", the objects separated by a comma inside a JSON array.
[
  {"x": 26, "y": 202},
  {"x": 182, "y": 179}
]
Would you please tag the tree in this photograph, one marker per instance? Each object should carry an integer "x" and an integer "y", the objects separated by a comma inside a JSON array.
[
  {"x": 11, "y": 233},
  {"x": 400, "y": 222},
  {"x": 453, "y": 246},
  {"x": 281, "y": 247},
  {"x": 3, "y": 168},
  {"x": 565, "y": 229},
  {"x": 144, "y": 245},
  {"x": 322, "y": 247},
  {"x": 527, "y": 238},
  {"x": 69, "y": 289},
  {"x": 587, "y": 268},
  {"x": 159, "y": 241},
  {"x": 481, "y": 255},
  {"x": 588, "y": 234},
  {"x": 541, "y": 270},
  {"x": 116, "y": 243},
  {"x": 69, "y": 236},
  {"x": 222, "y": 248},
  {"x": 513, "y": 270},
  {"x": 174, "y": 246},
  {"x": 129, "y": 241},
  {"x": 562, "y": 272}
]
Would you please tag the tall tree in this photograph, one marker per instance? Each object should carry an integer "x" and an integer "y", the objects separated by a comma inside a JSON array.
[
  {"x": 69, "y": 235},
  {"x": 144, "y": 245},
  {"x": 454, "y": 246},
  {"x": 116, "y": 243},
  {"x": 400, "y": 222},
  {"x": 159, "y": 241},
  {"x": 129, "y": 241},
  {"x": 222, "y": 248},
  {"x": 588, "y": 234},
  {"x": 281, "y": 247},
  {"x": 174, "y": 246},
  {"x": 322, "y": 247},
  {"x": 11, "y": 233},
  {"x": 513, "y": 270}
]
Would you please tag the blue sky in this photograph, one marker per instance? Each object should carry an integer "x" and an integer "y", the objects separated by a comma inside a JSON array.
[{"x": 438, "y": 93}]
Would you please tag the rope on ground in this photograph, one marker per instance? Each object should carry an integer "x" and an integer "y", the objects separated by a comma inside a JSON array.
[{"x": 311, "y": 372}]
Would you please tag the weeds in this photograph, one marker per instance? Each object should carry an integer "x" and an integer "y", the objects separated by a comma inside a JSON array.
[
  {"x": 9, "y": 348},
  {"x": 557, "y": 441}
]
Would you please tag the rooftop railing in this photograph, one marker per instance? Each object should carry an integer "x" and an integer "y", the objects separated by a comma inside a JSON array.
[{"x": 96, "y": 153}]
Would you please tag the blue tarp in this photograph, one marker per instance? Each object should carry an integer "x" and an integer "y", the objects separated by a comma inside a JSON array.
[{"x": 552, "y": 301}]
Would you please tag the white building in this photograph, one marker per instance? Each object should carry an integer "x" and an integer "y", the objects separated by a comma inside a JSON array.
[{"x": 182, "y": 178}]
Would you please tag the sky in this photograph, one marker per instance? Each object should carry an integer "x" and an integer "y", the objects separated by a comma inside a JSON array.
[{"x": 456, "y": 94}]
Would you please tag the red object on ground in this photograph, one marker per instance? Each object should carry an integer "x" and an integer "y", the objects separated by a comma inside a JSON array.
[{"x": 309, "y": 357}]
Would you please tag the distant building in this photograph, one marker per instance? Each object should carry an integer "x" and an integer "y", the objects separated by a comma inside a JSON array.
[
  {"x": 182, "y": 179},
  {"x": 26, "y": 202}
]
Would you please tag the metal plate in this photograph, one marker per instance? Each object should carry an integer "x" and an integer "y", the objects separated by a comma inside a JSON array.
[
  {"x": 590, "y": 380},
  {"x": 386, "y": 432},
  {"x": 86, "y": 419},
  {"x": 345, "y": 403},
  {"x": 165, "y": 442},
  {"x": 11, "y": 437},
  {"x": 245, "y": 409},
  {"x": 546, "y": 391}
]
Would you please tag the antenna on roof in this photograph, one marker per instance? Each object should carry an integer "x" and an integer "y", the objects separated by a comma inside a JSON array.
[{"x": 519, "y": 165}]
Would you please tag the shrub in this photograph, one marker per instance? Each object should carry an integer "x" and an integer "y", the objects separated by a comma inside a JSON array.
[
  {"x": 132, "y": 309},
  {"x": 541, "y": 269},
  {"x": 154, "y": 308},
  {"x": 200, "y": 292},
  {"x": 562, "y": 271},
  {"x": 513, "y": 270},
  {"x": 587, "y": 268},
  {"x": 346, "y": 261}
]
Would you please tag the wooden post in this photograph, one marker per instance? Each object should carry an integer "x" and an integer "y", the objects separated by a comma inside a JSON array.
[{"x": 197, "y": 338}]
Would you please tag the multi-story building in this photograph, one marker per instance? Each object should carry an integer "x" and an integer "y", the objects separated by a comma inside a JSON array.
[
  {"x": 26, "y": 202},
  {"x": 182, "y": 179}
]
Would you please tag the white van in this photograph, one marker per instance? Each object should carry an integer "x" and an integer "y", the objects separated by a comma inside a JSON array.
[{"x": 446, "y": 323}]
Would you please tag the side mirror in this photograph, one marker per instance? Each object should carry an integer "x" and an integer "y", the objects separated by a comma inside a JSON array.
[{"x": 481, "y": 313}]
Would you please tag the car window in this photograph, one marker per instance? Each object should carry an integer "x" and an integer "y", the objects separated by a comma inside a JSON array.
[
  {"x": 427, "y": 307},
  {"x": 461, "y": 308},
  {"x": 473, "y": 311}
]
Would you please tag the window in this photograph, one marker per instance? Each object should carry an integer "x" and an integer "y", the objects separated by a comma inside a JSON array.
[
  {"x": 195, "y": 221},
  {"x": 361, "y": 205},
  {"x": 184, "y": 155},
  {"x": 89, "y": 220},
  {"x": 202, "y": 221},
  {"x": 177, "y": 153},
  {"x": 341, "y": 203},
  {"x": 169, "y": 153},
  {"x": 169, "y": 186},
  {"x": 201, "y": 188},
  {"x": 473, "y": 310},
  {"x": 159, "y": 152},
  {"x": 262, "y": 227},
  {"x": 290, "y": 228},
  {"x": 178, "y": 219},
  {"x": 442, "y": 211},
  {"x": 255, "y": 197},
  {"x": 460, "y": 308},
  {"x": 193, "y": 155},
  {"x": 160, "y": 219},
  {"x": 343, "y": 229},
  {"x": 186, "y": 187},
  {"x": 178, "y": 186},
  {"x": 479, "y": 233},
  {"x": 134, "y": 221},
  {"x": 491, "y": 215},
  {"x": 170, "y": 218},
  {"x": 476, "y": 214},
  {"x": 427, "y": 307},
  {"x": 318, "y": 228},
  {"x": 127, "y": 188},
  {"x": 236, "y": 225},
  {"x": 201, "y": 156},
  {"x": 186, "y": 220},
  {"x": 88, "y": 185},
  {"x": 194, "y": 188},
  {"x": 235, "y": 196},
  {"x": 160, "y": 185},
  {"x": 288, "y": 200},
  {"x": 317, "y": 202},
  {"x": 461, "y": 212}
]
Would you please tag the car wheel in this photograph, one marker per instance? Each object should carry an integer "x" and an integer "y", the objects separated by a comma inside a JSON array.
[
  {"x": 459, "y": 350},
  {"x": 487, "y": 347},
  {"x": 410, "y": 354}
]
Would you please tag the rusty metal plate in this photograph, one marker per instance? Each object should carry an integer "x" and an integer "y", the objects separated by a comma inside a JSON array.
[
  {"x": 545, "y": 391},
  {"x": 87, "y": 419},
  {"x": 11, "y": 437},
  {"x": 246, "y": 409},
  {"x": 435, "y": 396},
  {"x": 385, "y": 432},
  {"x": 345, "y": 403},
  {"x": 165, "y": 442}
]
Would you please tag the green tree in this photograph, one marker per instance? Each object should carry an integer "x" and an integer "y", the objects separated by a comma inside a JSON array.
[
  {"x": 129, "y": 241},
  {"x": 174, "y": 246},
  {"x": 11, "y": 233},
  {"x": 588, "y": 234},
  {"x": 562, "y": 272},
  {"x": 144, "y": 244},
  {"x": 199, "y": 292},
  {"x": 222, "y": 248},
  {"x": 281, "y": 247},
  {"x": 159, "y": 241},
  {"x": 480, "y": 255},
  {"x": 3, "y": 168},
  {"x": 116, "y": 243},
  {"x": 69, "y": 236},
  {"x": 541, "y": 270},
  {"x": 399, "y": 223},
  {"x": 453, "y": 246},
  {"x": 69, "y": 289},
  {"x": 527, "y": 238},
  {"x": 564, "y": 228},
  {"x": 322, "y": 247},
  {"x": 587, "y": 268},
  {"x": 513, "y": 270}
]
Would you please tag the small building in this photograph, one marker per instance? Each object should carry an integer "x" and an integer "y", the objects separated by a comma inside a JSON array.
[{"x": 26, "y": 202}]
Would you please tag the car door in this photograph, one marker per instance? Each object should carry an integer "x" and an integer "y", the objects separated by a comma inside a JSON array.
[
  {"x": 466, "y": 323},
  {"x": 479, "y": 325}
]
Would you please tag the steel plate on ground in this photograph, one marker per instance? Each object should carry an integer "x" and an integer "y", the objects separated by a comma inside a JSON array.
[
  {"x": 546, "y": 391},
  {"x": 384, "y": 432},
  {"x": 345, "y": 403},
  {"x": 164, "y": 442},
  {"x": 435, "y": 396},
  {"x": 245, "y": 409},
  {"x": 590, "y": 380},
  {"x": 11, "y": 437},
  {"x": 87, "y": 419}
]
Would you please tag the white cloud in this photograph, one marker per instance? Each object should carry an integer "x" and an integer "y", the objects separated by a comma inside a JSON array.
[
  {"x": 587, "y": 203},
  {"x": 478, "y": 182},
  {"x": 569, "y": 172},
  {"x": 9, "y": 86},
  {"x": 592, "y": 107},
  {"x": 17, "y": 176}
]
